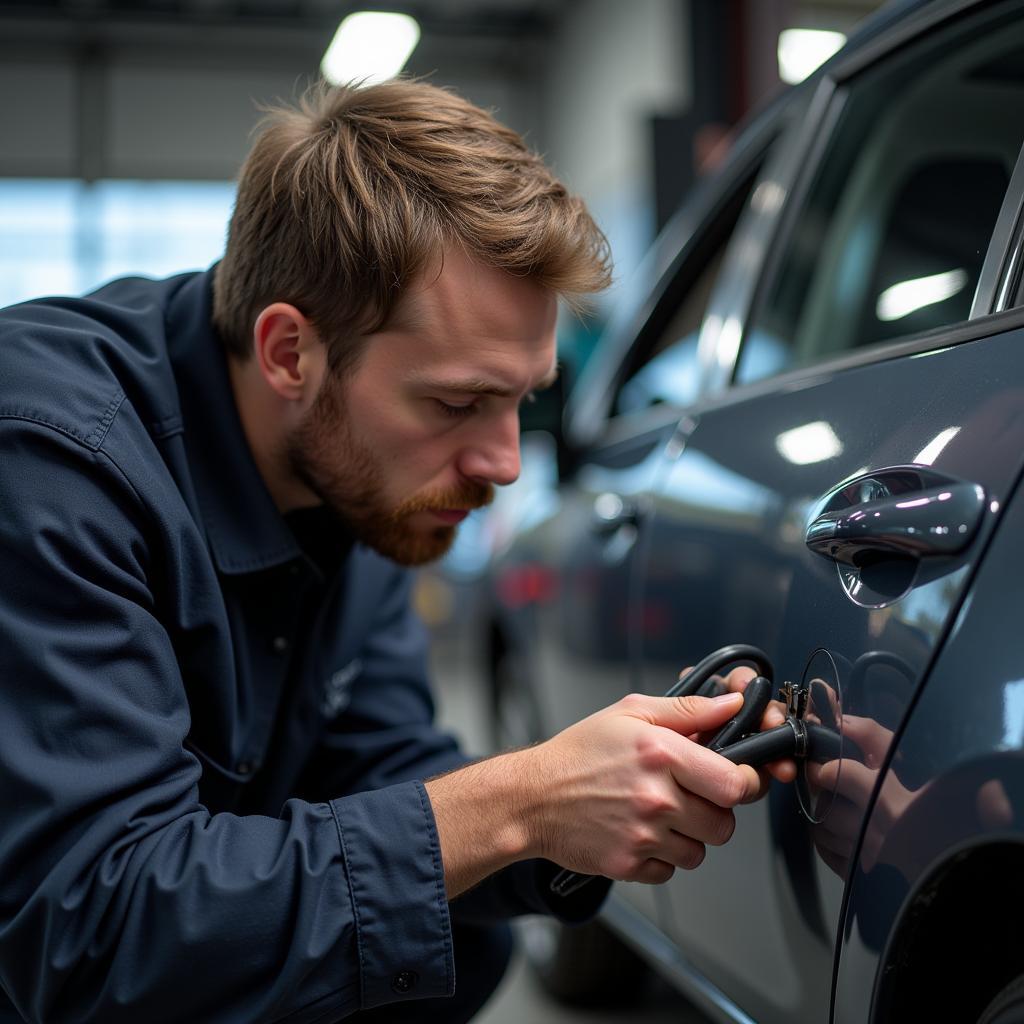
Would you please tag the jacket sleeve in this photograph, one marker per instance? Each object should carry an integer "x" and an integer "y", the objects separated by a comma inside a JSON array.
[
  {"x": 386, "y": 734},
  {"x": 121, "y": 897}
]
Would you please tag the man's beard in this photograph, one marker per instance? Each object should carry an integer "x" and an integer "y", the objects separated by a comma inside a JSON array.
[{"x": 349, "y": 478}]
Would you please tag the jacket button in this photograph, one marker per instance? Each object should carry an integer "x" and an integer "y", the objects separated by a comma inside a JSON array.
[
  {"x": 279, "y": 644},
  {"x": 405, "y": 981}
]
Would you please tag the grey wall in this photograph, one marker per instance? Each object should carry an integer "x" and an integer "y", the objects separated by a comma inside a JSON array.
[
  {"x": 612, "y": 67},
  {"x": 130, "y": 100}
]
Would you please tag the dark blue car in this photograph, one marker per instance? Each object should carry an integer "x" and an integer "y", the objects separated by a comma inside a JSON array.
[{"x": 808, "y": 436}]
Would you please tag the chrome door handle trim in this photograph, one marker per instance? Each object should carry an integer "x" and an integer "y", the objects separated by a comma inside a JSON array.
[{"x": 937, "y": 521}]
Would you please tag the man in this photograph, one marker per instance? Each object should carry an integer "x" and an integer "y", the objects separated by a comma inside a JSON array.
[{"x": 216, "y": 719}]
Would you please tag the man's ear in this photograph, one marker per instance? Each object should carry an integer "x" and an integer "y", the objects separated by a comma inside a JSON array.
[{"x": 288, "y": 351}]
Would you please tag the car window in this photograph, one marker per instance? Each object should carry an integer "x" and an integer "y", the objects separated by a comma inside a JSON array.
[
  {"x": 664, "y": 367},
  {"x": 670, "y": 373},
  {"x": 892, "y": 233}
]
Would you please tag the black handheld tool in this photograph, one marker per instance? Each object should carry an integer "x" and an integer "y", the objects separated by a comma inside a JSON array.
[
  {"x": 730, "y": 740},
  {"x": 738, "y": 740}
]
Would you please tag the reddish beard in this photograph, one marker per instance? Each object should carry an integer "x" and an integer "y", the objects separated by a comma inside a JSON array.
[
  {"x": 347, "y": 476},
  {"x": 395, "y": 537}
]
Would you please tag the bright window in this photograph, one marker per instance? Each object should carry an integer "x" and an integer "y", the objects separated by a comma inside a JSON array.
[{"x": 66, "y": 237}]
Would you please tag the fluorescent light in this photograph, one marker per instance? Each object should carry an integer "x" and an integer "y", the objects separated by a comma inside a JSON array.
[
  {"x": 370, "y": 46},
  {"x": 902, "y": 299},
  {"x": 813, "y": 442},
  {"x": 803, "y": 50}
]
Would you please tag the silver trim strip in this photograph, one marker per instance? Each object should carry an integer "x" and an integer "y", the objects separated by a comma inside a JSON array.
[
  {"x": 725, "y": 319},
  {"x": 1002, "y": 259}
]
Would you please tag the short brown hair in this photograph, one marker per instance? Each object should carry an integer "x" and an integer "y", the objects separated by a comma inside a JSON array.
[{"x": 344, "y": 199}]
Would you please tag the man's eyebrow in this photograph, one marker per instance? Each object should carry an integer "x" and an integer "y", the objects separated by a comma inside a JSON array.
[{"x": 482, "y": 386}]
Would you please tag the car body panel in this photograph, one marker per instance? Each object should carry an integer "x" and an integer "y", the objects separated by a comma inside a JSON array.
[
  {"x": 964, "y": 736},
  {"x": 726, "y": 562}
]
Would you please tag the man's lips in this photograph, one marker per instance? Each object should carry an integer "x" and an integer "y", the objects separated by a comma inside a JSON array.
[{"x": 450, "y": 515}]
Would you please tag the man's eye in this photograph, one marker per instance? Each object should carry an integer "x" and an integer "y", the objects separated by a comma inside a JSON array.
[{"x": 455, "y": 410}]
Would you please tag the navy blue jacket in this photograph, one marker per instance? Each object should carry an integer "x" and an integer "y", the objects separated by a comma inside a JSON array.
[{"x": 211, "y": 744}]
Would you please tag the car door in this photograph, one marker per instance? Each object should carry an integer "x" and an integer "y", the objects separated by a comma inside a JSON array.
[
  {"x": 868, "y": 372},
  {"x": 560, "y": 645}
]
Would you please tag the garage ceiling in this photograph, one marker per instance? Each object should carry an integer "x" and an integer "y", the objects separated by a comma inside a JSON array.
[{"x": 489, "y": 17}]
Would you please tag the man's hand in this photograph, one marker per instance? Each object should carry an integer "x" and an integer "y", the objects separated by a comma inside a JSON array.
[
  {"x": 642, "y": 798},
  {"x": 774, "y": 716},
  {"x": 625, "y": 793}
]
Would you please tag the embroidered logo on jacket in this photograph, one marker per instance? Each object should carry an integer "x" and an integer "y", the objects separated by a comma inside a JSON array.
[{"x": 338, "y": 689}]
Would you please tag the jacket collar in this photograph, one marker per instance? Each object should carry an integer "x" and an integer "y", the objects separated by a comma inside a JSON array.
[{"x": 245, "y": 531}]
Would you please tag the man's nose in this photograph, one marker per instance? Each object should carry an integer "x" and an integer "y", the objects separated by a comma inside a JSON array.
[{"x": 492, "y": 456}]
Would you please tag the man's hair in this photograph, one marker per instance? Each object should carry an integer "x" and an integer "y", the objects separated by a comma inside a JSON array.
[{"x": 345, "y": 198}]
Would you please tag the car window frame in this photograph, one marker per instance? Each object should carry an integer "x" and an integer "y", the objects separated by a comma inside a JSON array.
[
  {"x": 1001, "y": 285},
  {"x": 670, "y": 264},
  {"x": 754, "y": 245},
  {"x": 762, "y": 240}
]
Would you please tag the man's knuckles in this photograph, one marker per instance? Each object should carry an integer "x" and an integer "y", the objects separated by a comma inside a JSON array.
[
  {"x": 651, "y": 803},
  {"x": 654, "y": 750},
  {"x": 635, "y": 704}
]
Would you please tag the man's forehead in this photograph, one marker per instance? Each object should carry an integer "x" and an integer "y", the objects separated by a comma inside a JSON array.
[{"x": 454, "y": 290}]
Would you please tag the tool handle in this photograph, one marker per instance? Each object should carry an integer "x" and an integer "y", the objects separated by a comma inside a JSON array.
[
  {"x": 755, "y": 699},
  {"x": 567, "y": 882},
  {"x": 701, "y": 672}
]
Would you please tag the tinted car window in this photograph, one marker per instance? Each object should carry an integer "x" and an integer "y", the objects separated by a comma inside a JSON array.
[
  {"x": 671, "y": 371},
  {"x": 891, "y": 236},
  {"x": 664, "y": 367}
]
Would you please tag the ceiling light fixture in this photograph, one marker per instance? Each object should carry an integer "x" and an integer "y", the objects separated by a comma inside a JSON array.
[
  {"x": 370, "y": 46},
  {"x": 803, "y": 50}
]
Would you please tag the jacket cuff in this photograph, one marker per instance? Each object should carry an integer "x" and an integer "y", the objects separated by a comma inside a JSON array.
[
  {"x": 525, "y": 888},
  {"x": 399, "y": 903}
]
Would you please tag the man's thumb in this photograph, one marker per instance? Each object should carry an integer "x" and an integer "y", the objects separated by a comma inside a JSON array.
[{"x": 691, "y": 714}]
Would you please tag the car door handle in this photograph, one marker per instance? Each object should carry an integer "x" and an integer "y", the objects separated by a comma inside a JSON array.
[
  {"x": 938, "y": 520},
  {"x": 612, "y": 511}
]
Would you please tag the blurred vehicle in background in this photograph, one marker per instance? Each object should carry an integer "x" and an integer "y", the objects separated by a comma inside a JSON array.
[{"x": 833, "y": 335}]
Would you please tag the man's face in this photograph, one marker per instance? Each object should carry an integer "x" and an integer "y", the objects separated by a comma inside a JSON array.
[{"x": 418, "y": 434}]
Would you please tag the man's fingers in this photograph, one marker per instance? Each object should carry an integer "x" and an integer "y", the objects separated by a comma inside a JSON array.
[
  {"x": 709, "y": 775},
  {"x": 784, "y": 771},
  {"x": 736, "y": 681},
  {"x": 774, "y": 715},
  {"x": 684, "y": 715},
  {"x": 653, "y": 872},
  {"x": 702, "y": 822},
  {"x": 683, "y": 851}
]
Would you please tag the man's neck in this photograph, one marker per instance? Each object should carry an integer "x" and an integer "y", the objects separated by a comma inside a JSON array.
[{"x": 264, "y": 425}]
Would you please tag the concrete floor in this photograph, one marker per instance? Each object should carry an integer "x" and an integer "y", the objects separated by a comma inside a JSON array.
[{"x": 519, "y": 999}]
